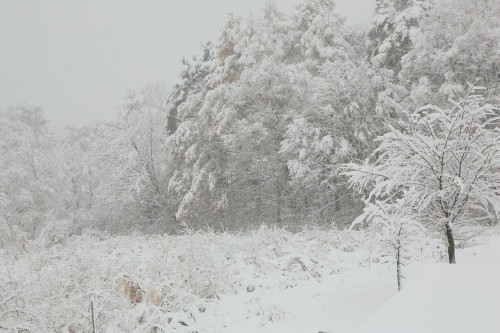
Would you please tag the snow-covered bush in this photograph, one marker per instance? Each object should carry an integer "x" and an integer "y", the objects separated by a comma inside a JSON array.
[
  {"x": 55, "y": 232},
  {"x": 17, "y": 314}
]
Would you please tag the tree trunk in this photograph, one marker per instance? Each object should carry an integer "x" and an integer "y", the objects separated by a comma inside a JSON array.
[
  {"x": 172, "y": 120},
  {"x": 398, "y": 267},
  {"x": 398, "y": 257},
  {"x": 93, "y": 320},
  {"x": 336, "y": 200},
  {"x": 451, "y": 244},
  {"x": 279, "y": 201}
]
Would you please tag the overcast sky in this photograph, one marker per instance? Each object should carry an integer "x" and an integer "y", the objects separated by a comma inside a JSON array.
[{"x": 76, "y": 59}]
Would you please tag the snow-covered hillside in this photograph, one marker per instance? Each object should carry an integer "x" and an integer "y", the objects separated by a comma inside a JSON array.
[{"x": 269, "y": 280}]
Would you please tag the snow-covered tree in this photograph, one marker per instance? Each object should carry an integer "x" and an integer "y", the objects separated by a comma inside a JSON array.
[
  {"x": 447, "y": 161},
  {"x": 396, "y": 228},
  {"x": 319, "y": 34},
  {"x": 265, "y": 99},
  {"x": 393, "y": 27},
  {"x": 200, "y": 145},
  {"x": 226, "y": 67},
  {"x": 349, "y": 108},
  {"x": 82, "y": 173},
  {"x": 192, "y": 80},
  {"x": 132, "y": 160},
  {"x": 264, "y": 37},
  {"x": 200, "y": 156},
  {"x": 32, "y": 177},
  {"x": 457, "y": 42}
]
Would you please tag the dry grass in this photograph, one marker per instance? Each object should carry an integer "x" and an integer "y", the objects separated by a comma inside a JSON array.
[{"x": 129, "y": 289}]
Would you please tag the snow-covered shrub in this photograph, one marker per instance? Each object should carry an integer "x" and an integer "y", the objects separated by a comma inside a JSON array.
[
  {"x": 13, "y": 237},
  {"x": 6, "y": 234},
  {"x": 55, "y": 232},
  {"x": 152, "y": 319},
  {"x": 272, "y": 313},
  {"x": 16, "y": 312}
]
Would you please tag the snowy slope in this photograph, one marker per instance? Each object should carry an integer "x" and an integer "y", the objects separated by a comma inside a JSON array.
[
  {"x": 334, "y": 305},
  {"x": 443, "y": 298},
  {"x": 365, "y": 300}
]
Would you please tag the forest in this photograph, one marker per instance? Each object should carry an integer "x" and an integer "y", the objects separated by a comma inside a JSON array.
[{"x": 286, "y": 130}]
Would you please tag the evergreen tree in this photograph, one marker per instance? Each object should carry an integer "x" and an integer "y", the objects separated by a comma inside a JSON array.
[
  {"x": 319, "y": 34},
  {"x": 393, "y": 28}
]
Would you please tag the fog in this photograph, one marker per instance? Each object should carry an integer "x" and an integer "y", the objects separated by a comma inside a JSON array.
[{"x": 76, "y": 59}]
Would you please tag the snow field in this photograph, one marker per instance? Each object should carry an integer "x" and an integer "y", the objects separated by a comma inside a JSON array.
[{"x": 269, "y": 280}]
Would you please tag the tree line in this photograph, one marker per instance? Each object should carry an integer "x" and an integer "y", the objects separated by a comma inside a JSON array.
[{"x": 273, "y": 123}]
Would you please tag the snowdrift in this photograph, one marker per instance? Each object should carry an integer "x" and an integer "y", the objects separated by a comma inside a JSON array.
[{"x": 443, "y": 298}]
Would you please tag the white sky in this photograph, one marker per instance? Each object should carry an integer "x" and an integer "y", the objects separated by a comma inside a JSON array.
[{"x": 77, "y": 58}]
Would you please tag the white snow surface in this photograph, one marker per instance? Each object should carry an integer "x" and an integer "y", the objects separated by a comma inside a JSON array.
[
  {"x": 265, "y": 281},
  {"x": 437, "y": 298},
  {"x": 443, "y": 298}
]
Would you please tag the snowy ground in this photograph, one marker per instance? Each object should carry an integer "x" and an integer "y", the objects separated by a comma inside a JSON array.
[
  {"x": 343, "y": 302},
  {"x": 443, "y": 298},
  {"x": 269, "y": 280}
]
